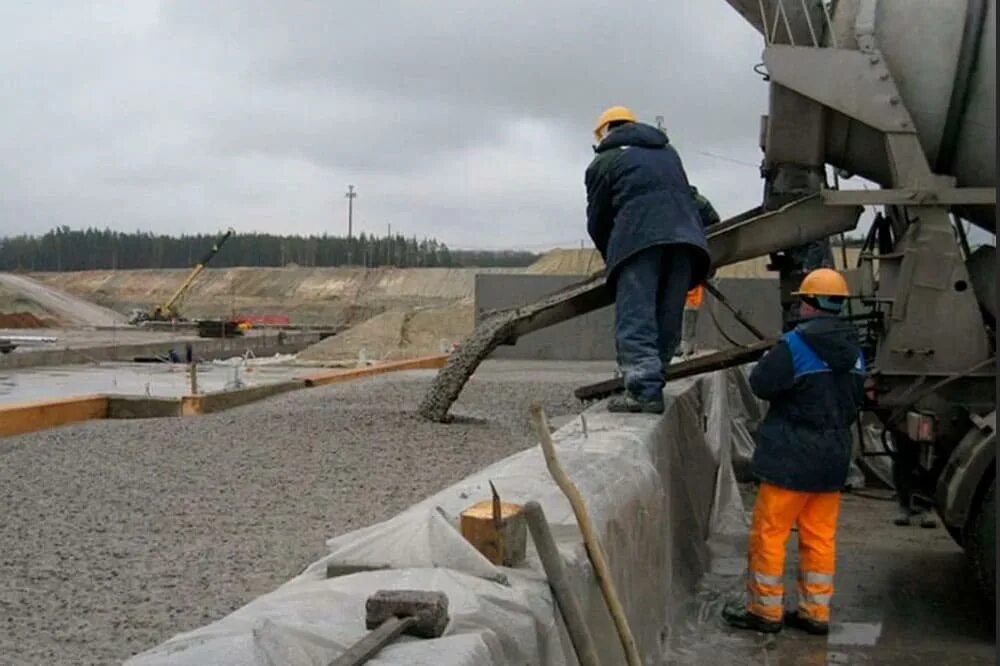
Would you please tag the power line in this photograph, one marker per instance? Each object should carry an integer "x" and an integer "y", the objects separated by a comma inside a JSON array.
[{"x": 728, "y": 159}]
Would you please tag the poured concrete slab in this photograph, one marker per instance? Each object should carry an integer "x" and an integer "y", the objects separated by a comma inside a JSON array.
[{"x": 118, "y": 534}]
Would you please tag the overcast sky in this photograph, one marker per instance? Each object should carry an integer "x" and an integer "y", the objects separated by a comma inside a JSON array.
[{"x": 467, "y": 121}]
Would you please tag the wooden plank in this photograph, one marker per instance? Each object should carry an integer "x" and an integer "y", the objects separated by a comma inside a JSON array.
[
  {"x": 209, "y": 403},
  {"x": 423, "y": 363},
  {"x": 30, "y": 417},
  {"x": 191, "y": 405}
]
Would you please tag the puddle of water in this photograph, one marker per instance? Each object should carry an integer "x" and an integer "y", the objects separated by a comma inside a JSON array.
[{"x": 861, "y": 634}]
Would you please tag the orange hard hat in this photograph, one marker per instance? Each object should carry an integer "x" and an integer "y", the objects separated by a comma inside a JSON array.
[
  {"x": 824, "y": 288},
  {"x": 823, "y": 282}
]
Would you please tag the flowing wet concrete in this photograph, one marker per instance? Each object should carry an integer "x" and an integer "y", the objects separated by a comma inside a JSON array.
[
  {"x": 118, "y": 534},
  {"x": 903, "y": 596}
]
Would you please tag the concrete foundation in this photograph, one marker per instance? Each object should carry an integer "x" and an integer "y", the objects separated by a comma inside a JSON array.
[
  {"x": 267, "y": 381},
  {"x": 204, "y": 348}
]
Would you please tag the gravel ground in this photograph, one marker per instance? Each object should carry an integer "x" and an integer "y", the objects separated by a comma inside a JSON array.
[{"x": 119, "y": 534}]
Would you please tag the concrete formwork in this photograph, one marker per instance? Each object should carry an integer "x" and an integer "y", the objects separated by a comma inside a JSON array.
[{"x": 651, "y": 484}]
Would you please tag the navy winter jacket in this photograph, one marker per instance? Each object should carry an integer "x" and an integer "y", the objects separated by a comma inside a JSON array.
[
  {"x": 814, "y": 381},
  {"x": 638, "y": 196}
]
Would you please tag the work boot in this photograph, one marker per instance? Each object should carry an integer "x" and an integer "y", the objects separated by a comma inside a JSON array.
[
  {"x": 902, "y": 518},
  {"x": 924, "y": 519},
  {"x": 741, "y": 618},
  {"x": 805, "y": 623},
  {"x": 630, "y": 404},
  {"x": 919, "y": 516}
]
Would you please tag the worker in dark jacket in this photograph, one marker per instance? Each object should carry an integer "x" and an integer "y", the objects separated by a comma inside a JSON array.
[
  {"x": 689, "y": 327},
  {"x": 644, "y": 220},
  {"x": 706, "y": 211},
  {"x": 814, "y": 381}
]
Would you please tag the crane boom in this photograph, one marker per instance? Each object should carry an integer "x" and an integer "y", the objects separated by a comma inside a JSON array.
[{"x": 169, "y": 309}]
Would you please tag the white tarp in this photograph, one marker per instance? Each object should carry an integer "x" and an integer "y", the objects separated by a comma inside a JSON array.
[{"x": 655, "y": 487}]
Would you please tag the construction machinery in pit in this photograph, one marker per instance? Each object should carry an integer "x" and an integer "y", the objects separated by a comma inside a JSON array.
[
  {"x": 901, "y": 93},
  {"x": 170, "y": 309}
]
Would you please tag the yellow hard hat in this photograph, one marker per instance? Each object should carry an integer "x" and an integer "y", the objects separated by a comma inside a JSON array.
[{"x": 614, "y": 114}]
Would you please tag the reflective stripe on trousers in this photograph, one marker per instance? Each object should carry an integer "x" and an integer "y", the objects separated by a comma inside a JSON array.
[
  {"x": 815, "y": 592},
  {"x": 775, "y": 513}
]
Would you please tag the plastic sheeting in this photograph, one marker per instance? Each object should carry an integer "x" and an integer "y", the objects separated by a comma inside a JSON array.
[{"x": 656, "y": 486}]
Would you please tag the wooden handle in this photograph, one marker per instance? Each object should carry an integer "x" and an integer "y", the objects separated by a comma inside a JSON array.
[
  {"x": 590, "y": 540},
  {"x": 370, "y": 645},
  {"x": 552, "y": 564}
]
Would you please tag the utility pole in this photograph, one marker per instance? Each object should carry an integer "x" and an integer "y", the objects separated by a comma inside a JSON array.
[{"x": 351, "y": 195}]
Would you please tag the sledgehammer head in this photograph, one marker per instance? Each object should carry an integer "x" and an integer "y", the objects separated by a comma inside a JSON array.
[{"x": 429, "y": 609}]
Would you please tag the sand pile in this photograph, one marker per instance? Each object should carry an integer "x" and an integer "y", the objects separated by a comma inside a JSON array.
[
  {"x": 398, "y": 334},
  {"x": 568, "y": 262}
]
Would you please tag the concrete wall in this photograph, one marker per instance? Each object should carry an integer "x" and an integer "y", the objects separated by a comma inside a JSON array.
[
  {"x": 586, "y": 338},
  {"x": 591, "y": 337}
]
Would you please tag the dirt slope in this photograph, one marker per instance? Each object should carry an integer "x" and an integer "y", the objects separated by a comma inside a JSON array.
[
  {"x": 568, "y": 262},
  {"x": 309, "y": 295},
  {"x": 46, "y": 301}
]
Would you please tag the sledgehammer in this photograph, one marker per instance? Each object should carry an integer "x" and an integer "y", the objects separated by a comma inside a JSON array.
[{"x": 394, "y": 612}]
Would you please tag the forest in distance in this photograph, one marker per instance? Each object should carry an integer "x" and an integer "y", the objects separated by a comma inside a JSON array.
[{"x": 65, "y": 249}]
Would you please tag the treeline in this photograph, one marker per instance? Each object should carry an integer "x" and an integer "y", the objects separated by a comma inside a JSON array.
[{"x": 65, "y": 249}]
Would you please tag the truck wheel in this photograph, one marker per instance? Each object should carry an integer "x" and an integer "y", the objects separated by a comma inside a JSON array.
[{"x": 981, "y": 543}]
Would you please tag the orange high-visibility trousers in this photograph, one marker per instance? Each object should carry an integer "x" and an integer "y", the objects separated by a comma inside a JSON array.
[{"x": 775, "y": 513}]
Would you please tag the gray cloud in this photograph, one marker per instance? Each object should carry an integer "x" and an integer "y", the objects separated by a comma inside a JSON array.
[{"x": 470, "y": 122}]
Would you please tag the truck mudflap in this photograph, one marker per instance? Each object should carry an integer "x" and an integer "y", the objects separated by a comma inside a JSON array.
[{"x": 970, "y": 462}]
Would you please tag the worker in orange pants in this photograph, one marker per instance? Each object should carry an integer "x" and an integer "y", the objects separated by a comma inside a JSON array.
[
  {"x": 689, "y": 327},
  {"x": 814, "y": 381}
]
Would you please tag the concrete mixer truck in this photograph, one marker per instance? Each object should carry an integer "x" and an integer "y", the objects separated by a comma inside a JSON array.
[{"x": 901, "y": 93}]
